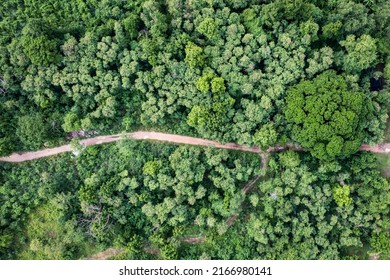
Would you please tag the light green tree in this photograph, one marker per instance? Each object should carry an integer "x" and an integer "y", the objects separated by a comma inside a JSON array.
[
  {"x": 341, "y": 195},
  {"x": 194, "y": 55},
  {"x": 266, "y": 136},
  {"x": 208, "y": 28},
  {"x": 360, "y": 53}
]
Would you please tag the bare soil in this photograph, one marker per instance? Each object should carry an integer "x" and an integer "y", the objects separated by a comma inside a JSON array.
[
  {"x": 375, "y": 256},
  {"x": 109, "y": 253},
  {"x": 194, "y": 240},
  {"x": 165, "y": 137}
]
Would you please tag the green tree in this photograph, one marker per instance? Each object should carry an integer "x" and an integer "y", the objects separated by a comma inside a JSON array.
[
  {"x": 361, "y": 53},
  {"x": 203, "y": 83},
  {"x": 207, "y": 28},
  {"x": 326, "y": 117},
  {"x": 71, "y": 122},
  {"x": 320, "y": 61},
  {"x": 6, "y": 242},
  {"x": 341, "y": 195},
  {"x": 332, "y": 29},
  {"x": 380, "y": 244},
  {"x": 50, "y": 235},
  {"x": 218, "y": 85},
  {"x": 151, "y": 168},
  {"x": 41, "y": 50},
  {"x": 295, "y": 217},
  {"x": 32, "y": 130},
  {"x": 194, "y": 55},
  {"x": 386, "y": 73},
  {"x": 198, "y": 117},
  {"x": 266, "y": 136}
]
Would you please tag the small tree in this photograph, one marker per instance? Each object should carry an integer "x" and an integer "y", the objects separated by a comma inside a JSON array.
[
  {"x": 341, "y": 195},
  {"x": 266, "y": 136},
  {"x": 194, "y": 55},
  {"x": 360, "y": 53}
]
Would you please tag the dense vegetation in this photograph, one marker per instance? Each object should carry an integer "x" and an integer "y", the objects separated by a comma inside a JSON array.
[
  {"x": 258, "y": 72},
  {"x": 150, "y": 198},
  {"x": 301, "y": 212},
  {"x": 326, "y": 117},
  {"x": 120, "y": 193}
]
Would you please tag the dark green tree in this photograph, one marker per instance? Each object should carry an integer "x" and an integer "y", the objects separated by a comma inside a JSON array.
[
  {"x": 33, "y": 130},
  {"x": 326, "y": 116}
]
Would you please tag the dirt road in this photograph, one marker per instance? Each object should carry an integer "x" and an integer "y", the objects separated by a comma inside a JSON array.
[
  {"x": 138, "y": 135},
  {"x": 165, "y": 137}
]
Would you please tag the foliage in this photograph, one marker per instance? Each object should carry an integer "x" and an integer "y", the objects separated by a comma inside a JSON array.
[
  {"x": 217, "y": 85},
  {"x": 341, "y": 195},
  {"x": 50, "y": 235},
  {"x": 114, "y": 65},
  {"x": 387, "y": 70},
  {"x": 71, "y": 122},
  {"x": 24, "y": 188},
  {"x": 194, "y": 55},
  {"x": 208, "y": 28},
  {"x": 32, "y": 130},
  {"x": 248, "y": 72},
  {"x": 151, "y": 168},
  {"x": 299, "y": 213},
  {"x": 266, "y": 136},
  {"x": 380, "y": 244},
  {"x": 41, "y": 50},
  {"x": 360, "y": 53},
  {"x": 327, "y": 117}
]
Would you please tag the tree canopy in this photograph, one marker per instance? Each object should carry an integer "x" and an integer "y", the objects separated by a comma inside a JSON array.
[
  {"x": 327, "y": 116},
  {"x": 296, "y": 73}
]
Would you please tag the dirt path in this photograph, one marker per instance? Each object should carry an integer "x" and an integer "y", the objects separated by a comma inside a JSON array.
[
  {"x": 139, "y": 135},
  {"x": 172, "y": 138},
  {"x": 383, "y": 148},
  {"x": 109, "y": 253}
]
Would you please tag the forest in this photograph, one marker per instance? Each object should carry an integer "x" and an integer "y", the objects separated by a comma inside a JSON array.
[{"x": 258, "y": 73}]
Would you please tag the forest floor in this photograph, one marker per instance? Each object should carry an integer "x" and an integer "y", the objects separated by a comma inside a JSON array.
[
  {"x": 382, "y": 148},
  {"x": 104, "y": 255},
  {"x": 384, "y": 159}
]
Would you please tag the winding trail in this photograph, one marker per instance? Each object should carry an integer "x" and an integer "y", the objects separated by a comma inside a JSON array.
[{"x": 165, "y": 137}]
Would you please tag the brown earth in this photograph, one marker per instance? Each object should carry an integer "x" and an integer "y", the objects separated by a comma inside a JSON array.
[
  {"x": 165, "y": 137},
  {"x": 139, "y": 135},
  {"x": 194, "y": 240},
  {"x": 374, "y": 257}
]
